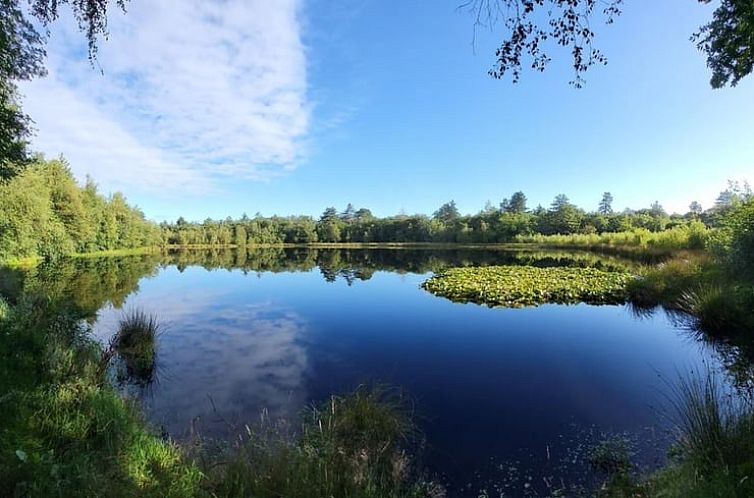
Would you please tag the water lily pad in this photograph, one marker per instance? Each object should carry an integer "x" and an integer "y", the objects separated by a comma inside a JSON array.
[{"x": 517, "y": 286}]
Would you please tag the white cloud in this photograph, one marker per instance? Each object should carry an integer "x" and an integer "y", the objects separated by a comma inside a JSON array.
[
  {"x": 245, "y": 357},
  {"x": 190, "y": 90}
]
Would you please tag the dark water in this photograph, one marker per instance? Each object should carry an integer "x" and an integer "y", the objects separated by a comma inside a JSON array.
[{"x": 488, "y": 385}]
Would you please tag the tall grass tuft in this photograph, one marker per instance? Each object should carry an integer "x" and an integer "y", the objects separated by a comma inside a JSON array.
[
  {"x": 716, "y": 428},
  {"x": 135, "y": 342},
  {"x": 663, "y": 284},
  {"x": 711, "y": 308},
  {"x": 704, "y": 419},
  {"x": 354, "y": 446}
]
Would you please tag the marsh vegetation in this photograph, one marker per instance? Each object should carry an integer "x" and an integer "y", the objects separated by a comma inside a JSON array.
[{"x": 515, "y": 286}]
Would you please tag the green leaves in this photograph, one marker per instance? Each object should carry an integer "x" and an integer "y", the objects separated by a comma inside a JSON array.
[{"x": 518, "y": 286}]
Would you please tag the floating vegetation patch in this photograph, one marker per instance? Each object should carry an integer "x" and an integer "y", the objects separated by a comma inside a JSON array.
[{"x": 517, "y": 286}]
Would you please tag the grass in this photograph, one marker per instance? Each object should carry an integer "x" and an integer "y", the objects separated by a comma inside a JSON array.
[
  {"x": 135, "y": 342},
  {"x": 28, "y": 262},
  {"x": 705, "y": 294},
  {"x": 714, "y": 455},
  {"x": 135, "y": 251},
  {"x": 517, "y": 286},
  {"x": 712, "y": 308},
  {"x": 692, "y": 236},
  {"x": 66, "y": 431},
  {"x": 351, "y": 447}
]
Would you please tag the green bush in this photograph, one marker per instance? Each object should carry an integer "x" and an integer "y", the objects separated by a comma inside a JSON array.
[{"x": 740, "y": 226}]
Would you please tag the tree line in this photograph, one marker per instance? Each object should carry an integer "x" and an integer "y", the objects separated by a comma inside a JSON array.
[
  {"x": 511, "y": 219},
  {"x": 45, "y": 213}
]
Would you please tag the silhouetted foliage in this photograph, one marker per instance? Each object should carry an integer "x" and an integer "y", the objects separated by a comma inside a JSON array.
[
  {"x": 727, "y": 40},
  {"x": 22, "y": 56},
  {"x": 530, "y": 24}
]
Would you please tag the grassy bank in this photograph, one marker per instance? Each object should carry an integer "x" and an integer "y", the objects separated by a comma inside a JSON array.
[
  {"x": 136, "y": 251},
  {"x": 645, "y": 254},
  {"x": 692, "y": 236},
  {"x": 714, "y": 453},
  {"x": 66, "y": 431}
]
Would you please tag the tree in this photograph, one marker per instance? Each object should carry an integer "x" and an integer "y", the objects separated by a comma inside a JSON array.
[
  {"x": 733, "y": 195},
  {"x": 488, "y": 209},
  {"x": 656, "y": 209},
  {"x": 364, "y": 214},
  {"x": 517, "y": 203},
  {"x": 739, "y": 224},
  {"x": 90, "y": 14},
  {"x": 328, "y": 227},
  {"x": 530, "y": 24},
  {"x": 560, "y": 201},
  {"x": 22, "y": 56},
  {"x": 239, "y": 235},
  {"x": 727, "y": 41},
  {"x": 349, "y": 214},
  {"x": 606, "y": 204},
  {"x": 695, "y": 209},
  {"x": 447, "y": 213},
  {"x": 563, "y": 217}
]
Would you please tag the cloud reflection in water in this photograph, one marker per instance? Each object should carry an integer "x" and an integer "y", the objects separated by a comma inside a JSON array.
[{"x": 221, "y": 363}]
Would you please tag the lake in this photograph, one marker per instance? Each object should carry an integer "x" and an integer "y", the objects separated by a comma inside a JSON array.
[{"x": 492, "y": 389}]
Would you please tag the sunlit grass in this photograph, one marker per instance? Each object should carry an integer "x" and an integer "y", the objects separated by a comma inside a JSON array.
[
  {"x": 692, "y": 236},
  {"x": 65, "y": 430}
]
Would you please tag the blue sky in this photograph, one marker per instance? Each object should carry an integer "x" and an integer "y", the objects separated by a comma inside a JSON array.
[{"x": 206, "y": 110}]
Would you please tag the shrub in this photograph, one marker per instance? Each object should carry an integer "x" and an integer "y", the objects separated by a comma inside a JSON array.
[{"x": 740, "y": 226}]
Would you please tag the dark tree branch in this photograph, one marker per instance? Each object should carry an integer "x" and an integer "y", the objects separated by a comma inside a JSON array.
[
  {"x": 91, "y": 16},
  {"x": 728, "y": 42},
  {"x": 530, "y": 24}
]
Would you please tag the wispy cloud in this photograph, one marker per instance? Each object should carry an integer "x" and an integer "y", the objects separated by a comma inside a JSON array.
[{"x": 189, "y": 91}]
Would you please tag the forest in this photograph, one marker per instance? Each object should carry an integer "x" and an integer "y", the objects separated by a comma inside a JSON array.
[{"x": 45, "y": 214}]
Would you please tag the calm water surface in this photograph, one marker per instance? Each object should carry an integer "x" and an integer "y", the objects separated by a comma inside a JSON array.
[{"x": 488, "y": 385}]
